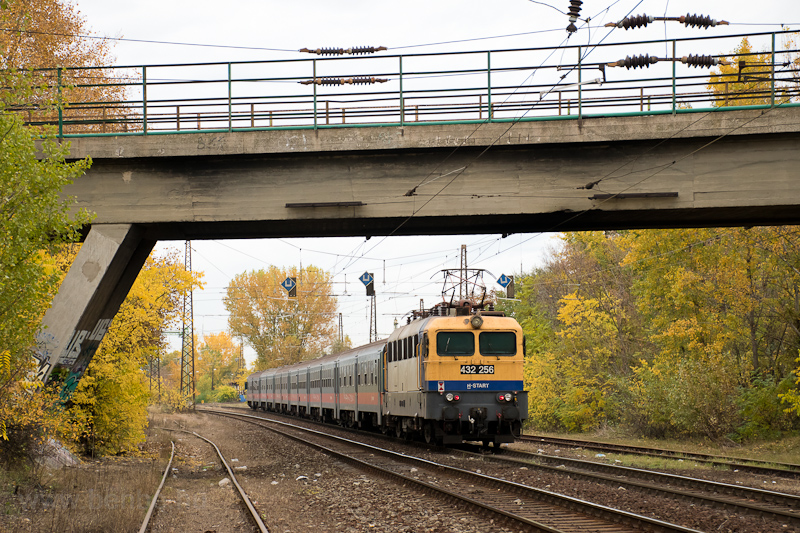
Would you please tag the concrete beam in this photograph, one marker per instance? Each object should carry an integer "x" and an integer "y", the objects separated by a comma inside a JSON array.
[
  {"x": 383, "y": 183},
  {"x": 421, "y": 136},
  {"x": 93, "y": 290}
]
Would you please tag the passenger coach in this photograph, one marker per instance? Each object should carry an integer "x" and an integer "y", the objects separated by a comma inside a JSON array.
[{"x": 453, "y": 373}]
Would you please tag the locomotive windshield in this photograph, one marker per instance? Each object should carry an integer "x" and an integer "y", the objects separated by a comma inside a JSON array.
[
  {"x": 455, "y": 343},
  {"x": 497, "y": 343}
]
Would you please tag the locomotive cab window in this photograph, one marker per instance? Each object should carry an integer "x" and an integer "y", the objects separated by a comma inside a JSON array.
[
  {"x": 455, "y": 343},
  {"x": 497, "y": 343}
]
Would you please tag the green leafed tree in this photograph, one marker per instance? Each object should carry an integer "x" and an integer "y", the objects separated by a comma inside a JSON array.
[
  {"x": 280, "y": 329},
  {"x": 34, "y": 218}
]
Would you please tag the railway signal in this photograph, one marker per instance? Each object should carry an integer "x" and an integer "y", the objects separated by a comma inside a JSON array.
[
  {"x": 290, "y": 284},
  {"x": 369, "y": 282},
  {"x": 507, "y": 282}
]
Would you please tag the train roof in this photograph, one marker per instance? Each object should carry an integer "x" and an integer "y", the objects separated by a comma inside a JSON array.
[{"x": 324, "y": 359}]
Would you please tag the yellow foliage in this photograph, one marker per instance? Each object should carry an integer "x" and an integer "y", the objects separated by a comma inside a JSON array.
[
  {"x": 45, "y": 34},
  {"x": 113, "y": 395},
  {"x": 747, "y": 80},
  {"x": 282, "y": 330}
]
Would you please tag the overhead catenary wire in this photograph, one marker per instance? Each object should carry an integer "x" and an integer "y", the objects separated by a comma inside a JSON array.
[{"x": 465, "y": 140}]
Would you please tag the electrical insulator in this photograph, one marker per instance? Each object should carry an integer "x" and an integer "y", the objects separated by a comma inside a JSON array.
[
  {"x": 358, "y": 80},
  {"x": 640, "y": 61},
  {"x": 640, "y": 21},
  {"x": 574, "y": 11},
  {"x": 366, "y": 50},
  {"x": 637, "y": 21},
  {"x": 356, "y": 50},
  {"x": 701, "y": 21},
  {"x": 702, "y": 61}
]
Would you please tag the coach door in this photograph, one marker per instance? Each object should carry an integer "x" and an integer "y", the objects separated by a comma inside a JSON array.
[{"x": 336, "y": 389}]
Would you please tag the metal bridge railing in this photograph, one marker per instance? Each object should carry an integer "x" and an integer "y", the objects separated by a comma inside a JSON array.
[{"x": 464, "y": 87}]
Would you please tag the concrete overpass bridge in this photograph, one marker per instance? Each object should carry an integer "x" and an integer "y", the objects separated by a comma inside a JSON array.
[{"x": 656, "y": 168}]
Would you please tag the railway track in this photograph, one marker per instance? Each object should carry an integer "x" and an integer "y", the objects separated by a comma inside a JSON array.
[
  {"x": 784, "y": 470},
  {"x": 771, "y": 504},
  {"x": 253, "y": 513},
  {"x": 513, "y": 503}
]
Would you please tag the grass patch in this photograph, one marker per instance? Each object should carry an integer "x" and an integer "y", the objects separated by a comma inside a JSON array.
[
  {"x": 111, "y": 494},
  {"x": 654, "y": 463}
]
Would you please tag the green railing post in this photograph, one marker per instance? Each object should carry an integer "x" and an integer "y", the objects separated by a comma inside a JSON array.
[
  {"x": 230, "y": 100},
  {"x": 580, "y": 87},
  {"x": 402, "y": 103},
  {"x": 314, "y": 83},
  {"x": 674, "y": 74},
  {"x": 60, "y": 107},
  {"x": 772, "y": 70},
  {"x": 144, "y": 100},
  {"x": 489, "y": 112}
]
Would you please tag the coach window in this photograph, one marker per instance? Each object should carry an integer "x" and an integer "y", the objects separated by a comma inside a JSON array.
[
  {"x": 497, "y": 343},
  {"x": 455, "y": 343}
]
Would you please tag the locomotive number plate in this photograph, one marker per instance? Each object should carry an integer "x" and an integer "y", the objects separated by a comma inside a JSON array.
[{"x": 477, "y": 369}]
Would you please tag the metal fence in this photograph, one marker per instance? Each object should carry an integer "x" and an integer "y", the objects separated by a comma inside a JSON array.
[{"x": 466, "y": 87}]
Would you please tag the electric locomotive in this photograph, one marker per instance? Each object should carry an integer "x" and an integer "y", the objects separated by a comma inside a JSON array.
[
  {"x": 452, "y": 373},
  {"x": 455, "y": 373}
]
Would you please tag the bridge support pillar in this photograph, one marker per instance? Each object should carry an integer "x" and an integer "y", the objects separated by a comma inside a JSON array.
[{"x": 93, "y": 290}]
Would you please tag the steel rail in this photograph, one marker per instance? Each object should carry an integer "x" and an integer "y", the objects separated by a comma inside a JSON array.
[
  {"x": 747, "y": 494},
  {"x": 787, "y": 470},
  {"x": 573, "y": 504},
  {"x": 245, "y": 498},
  {"x": 149, "y": 515}
]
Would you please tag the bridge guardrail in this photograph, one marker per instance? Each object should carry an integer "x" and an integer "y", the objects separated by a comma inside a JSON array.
[{"x": 461, "y": 87}]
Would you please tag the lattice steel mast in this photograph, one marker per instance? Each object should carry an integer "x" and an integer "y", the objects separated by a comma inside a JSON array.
[{"x": 187, "y": 348}]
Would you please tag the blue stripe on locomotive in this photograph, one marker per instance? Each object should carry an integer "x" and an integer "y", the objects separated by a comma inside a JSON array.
[{"x": 476, "y": 385}]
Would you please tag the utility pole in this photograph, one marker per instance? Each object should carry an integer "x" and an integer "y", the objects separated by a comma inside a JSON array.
[
  {"x": 462, "y": 286},
  {"x": 187, "y": 348},
  {"x": 373, "y": 319}
]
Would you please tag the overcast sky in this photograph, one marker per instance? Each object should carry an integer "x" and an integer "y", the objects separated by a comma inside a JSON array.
[{"x": 406, "y": 268}]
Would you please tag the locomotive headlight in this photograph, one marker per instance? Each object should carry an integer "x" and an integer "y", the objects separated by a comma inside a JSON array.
[
  {"x": 476, "y": 322},
  {"x": 449, "y": 397},
  {"x": 508, "y": 396}
]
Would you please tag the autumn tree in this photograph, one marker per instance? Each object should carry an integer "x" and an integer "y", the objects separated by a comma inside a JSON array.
[
  {"x": 218, "y": 363},
  {"x": 668, "y": 332},
  {"x": 44, "y": 49},
  {"x": 282, "y": 330},
  {"x": 747, "y": 78},
  {"x": 112, "y": 397}
]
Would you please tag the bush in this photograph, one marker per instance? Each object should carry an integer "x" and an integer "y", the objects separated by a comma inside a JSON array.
[
  {"x": 764, "y": 415},
  {"x": 32, "y": 419},
  {"x": 225, "y": 393}
]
